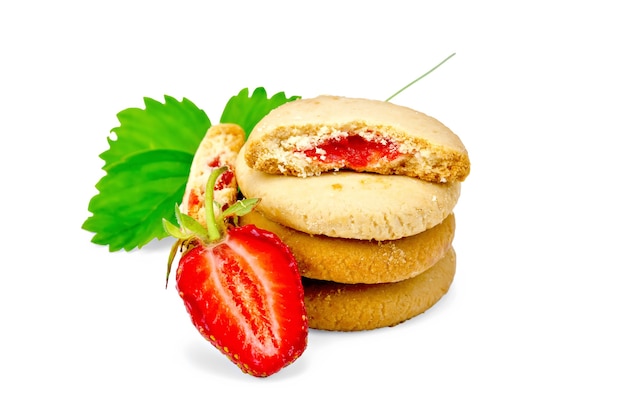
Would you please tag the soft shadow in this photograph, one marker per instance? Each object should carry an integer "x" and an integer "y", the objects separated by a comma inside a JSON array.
[
  {"x": 205, "y": 357},
  {"x": 163, "y": 245}
]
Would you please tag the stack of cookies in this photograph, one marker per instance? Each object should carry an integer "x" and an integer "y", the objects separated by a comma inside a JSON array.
[{"x": 363, "y": 192}]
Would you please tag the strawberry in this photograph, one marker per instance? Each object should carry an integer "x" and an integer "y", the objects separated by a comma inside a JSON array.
[{"x": 241, "y": 287}]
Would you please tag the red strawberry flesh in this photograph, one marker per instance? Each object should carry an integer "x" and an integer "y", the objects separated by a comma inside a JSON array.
[{"x": 244, "y": 295}]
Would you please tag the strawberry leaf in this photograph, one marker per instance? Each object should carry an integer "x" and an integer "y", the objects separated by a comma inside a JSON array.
[
  {"x": 148, "y": 161},
  {"x": 247, "y": 111},
  {"x": 192, "y": 226},
  {"x": 147, "y": 167},
  {"x": 241, "y": 207},
  {"x": 174, "y": 231},
  {"x": 170, "y": 125}
]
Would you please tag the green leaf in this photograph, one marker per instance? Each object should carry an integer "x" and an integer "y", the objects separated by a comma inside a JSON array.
[
  {"x": 147, "y": 166},
  {"x": 241, "y": 207},
  {"x": 170, "y": 125},
  {"x": 175, "y": 231},
  {"x": 148, "y": 161},
  {"x": 247, "y": 111},
  {"x": 192, "y": 226}
]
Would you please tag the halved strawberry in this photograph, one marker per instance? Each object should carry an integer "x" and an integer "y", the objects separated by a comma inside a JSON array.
[{"x": 242, "y": 288}]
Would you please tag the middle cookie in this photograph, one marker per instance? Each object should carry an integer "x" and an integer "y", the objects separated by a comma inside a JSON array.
[{"x": 352, "y": 261}]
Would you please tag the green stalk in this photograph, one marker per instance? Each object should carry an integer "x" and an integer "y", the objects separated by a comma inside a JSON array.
[
  {"x": 213, "y": 228},
  {"x": 423, "y": 76}
]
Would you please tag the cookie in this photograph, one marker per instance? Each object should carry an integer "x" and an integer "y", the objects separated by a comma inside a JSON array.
[
  {"x": 347, "y": 204},
  {"x": 219, "y": 147},
  {"x": 311, "y": 136},
  {"x": 362, "y": 261},
  {"x": 341, "y": 307}
]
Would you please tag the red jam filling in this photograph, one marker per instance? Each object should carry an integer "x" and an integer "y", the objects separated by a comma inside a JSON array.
[
  {"x": 352, "y": 152},
  {"x": 193, "y": 199},
  {"x": 224, "y": 180},
  {"x": 215, "y": 162},
  {"x": 227, "y": 176}
]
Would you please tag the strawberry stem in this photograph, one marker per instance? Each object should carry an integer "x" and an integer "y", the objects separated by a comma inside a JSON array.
[{"x": 214, "y": 228}]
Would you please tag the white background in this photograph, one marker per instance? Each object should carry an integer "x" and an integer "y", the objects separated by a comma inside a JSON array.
[{"x": 535, "y": 319}]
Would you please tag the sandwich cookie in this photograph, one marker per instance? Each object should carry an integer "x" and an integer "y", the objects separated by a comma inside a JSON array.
[
  {"x": 219, "y": 147},
  {"x": 311, "y": 136}
]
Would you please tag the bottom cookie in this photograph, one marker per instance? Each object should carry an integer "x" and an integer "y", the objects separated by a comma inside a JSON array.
[{"x": 341, "y": 307}]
